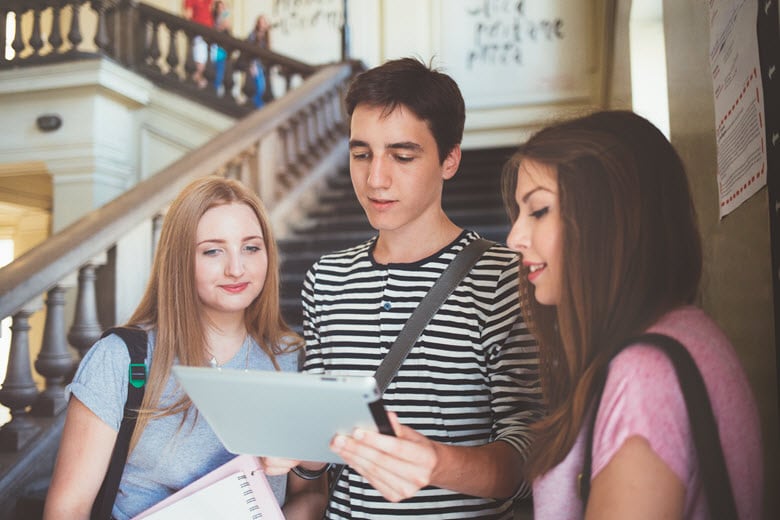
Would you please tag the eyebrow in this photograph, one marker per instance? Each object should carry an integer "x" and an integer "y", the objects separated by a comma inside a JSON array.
[
  {"x": 403, "y": 145},
  {"x": 528, "y": 194},
  {"x": 221, "y": 241}
]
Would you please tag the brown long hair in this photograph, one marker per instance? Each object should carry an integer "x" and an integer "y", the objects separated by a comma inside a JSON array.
[
  {"x": 631, "y": 253},
  {"x": 170, "y": 304}
]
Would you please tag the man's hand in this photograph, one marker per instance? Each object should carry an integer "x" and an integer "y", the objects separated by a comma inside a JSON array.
[{"x": 398, "y": 467}]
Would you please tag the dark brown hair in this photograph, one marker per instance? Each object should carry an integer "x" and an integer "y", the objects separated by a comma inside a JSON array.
[
  {"x": 631, "y": 253},
  {"x": 429, "y": 94}
]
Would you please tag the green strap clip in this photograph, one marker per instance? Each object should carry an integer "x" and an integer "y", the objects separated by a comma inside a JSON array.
[{"x": 137, "y": 374}]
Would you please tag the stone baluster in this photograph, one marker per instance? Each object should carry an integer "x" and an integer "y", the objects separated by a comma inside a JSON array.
[
  {"x": 102, "y": 40},
  {"x": 304, "y": 140},
  {"x": 312, "y": 131},
  {"x": 153, "y": 52},
  {"x": 297, "y": 157},
  {"x": 173, "y": 54},
  {"x": 327, "y": 117},
  {"x": 250, "y": 170},
  {"x": 19, "y": 390},
  {"x": 319, "y": 124},
  {"x": 250, "y": 87},
  {"x": 3, "y": 34},
  {"x": 36, "y": 42},
  {"x": 268, "y": 95},
  {"x": 55, "y": 35},
  {"x": 210, "y": 71},
  {"x": 18, "y": 44},
  {"x": 189, "y": 62},
  {"x": 286, "y": 166},
  {"x": 86, "y": 328},
  {"x": 55, "y": 361},
  {"x": 74, "y": 34},
  {"x": 227, "y": 80}
]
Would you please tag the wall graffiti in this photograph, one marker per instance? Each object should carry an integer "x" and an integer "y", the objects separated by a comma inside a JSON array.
[
  {"x": 502, "y": 30},
  {"x": 520, "y": 52},
  {"x": 295, "y": 16}
]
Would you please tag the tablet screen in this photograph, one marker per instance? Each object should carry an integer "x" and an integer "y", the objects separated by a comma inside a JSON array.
[{"x": 283, "y": 414}]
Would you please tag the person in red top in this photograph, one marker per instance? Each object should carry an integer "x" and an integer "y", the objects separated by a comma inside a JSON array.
[{"x": 199, "y": 11}]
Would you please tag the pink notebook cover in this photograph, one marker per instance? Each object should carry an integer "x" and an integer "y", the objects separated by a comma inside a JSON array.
[{"x": 266, "y": 501}]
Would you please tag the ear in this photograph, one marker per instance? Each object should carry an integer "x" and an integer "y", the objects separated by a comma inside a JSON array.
[{"x": 451, "y": 163}]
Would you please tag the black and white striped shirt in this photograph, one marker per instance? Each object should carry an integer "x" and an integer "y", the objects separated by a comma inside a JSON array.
[{"x": 471, "y": 378}]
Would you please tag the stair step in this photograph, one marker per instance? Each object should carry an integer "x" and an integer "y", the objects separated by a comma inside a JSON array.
[
  {"x": 345, "y": 203},
  {"x": 323, "y": 244},
  {"x": 472, "y": 199}
]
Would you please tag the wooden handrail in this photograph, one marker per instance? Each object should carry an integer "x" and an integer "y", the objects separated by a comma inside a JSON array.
[
  {"x": 175, "y": 22},
  {"x": 45, "y": 265},
  {"x": 130, "y": 33}
]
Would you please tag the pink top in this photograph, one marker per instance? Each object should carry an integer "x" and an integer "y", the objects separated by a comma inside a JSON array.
[{"x": 642, "y": 397}]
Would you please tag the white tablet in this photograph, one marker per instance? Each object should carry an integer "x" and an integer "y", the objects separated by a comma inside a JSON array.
[{"x": 283, "y": 414}]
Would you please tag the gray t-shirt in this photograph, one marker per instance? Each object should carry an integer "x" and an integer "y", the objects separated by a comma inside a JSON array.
[{"x": 167, "y": 456}]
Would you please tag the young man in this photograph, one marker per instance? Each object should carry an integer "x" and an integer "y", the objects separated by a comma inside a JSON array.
[{"x": 462, "y": 401}]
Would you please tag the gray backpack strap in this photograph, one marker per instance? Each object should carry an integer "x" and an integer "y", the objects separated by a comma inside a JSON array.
[{"x": 437, "y": 295}]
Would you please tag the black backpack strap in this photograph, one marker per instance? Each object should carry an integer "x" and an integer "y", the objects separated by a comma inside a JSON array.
[
  {"x": 136, "y": 342},
  {"x": 704, "y": 428}
]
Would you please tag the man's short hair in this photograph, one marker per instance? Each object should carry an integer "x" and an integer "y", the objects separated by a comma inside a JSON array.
[{"x": 431, "y": 95}]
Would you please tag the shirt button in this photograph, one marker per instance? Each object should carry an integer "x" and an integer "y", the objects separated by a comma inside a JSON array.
[{"x": 387, "y": 306}]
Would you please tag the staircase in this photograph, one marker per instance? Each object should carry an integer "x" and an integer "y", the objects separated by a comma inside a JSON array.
[{"x": 336, "y": 220}]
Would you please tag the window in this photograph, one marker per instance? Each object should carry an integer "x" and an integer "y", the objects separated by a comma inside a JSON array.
[{"x": 648, "y": 63}]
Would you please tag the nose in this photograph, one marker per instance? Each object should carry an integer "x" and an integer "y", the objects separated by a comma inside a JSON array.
[
  {"x": 377, "y": 174},
  {"x": 235, "y": 265},
  {"x": 517, "y": 239}
]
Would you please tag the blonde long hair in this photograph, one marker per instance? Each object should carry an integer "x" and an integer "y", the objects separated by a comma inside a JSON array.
[
  {"x": 631, "y": 253},
  {"x": 171, "y": 306}
]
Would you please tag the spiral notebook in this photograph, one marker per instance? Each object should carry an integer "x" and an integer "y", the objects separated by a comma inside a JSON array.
[{"x": 237, "y": 490}]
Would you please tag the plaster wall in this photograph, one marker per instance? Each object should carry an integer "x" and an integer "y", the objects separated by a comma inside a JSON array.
[
  {"x": 117, "y": 129},
  {"x": 737, "y": 284}
]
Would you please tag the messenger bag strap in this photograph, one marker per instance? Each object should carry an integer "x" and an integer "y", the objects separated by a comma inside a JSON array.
[
  {"x": 441, "y": 290},
  {"x": 436, "y": 296}
]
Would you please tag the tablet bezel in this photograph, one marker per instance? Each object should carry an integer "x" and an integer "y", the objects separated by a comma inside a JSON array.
[{"x": 283, "y": 414}]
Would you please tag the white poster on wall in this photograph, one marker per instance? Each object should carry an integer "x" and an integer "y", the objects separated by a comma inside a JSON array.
[
  {"x": 739, "y": 101},
  {"x": 519, "y": 52}
]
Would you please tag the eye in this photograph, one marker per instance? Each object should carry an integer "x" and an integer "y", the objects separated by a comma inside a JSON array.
[
  {"x": 211, "y": 252},
  {"x": 253, "y": 248},
  {"x": 404, "y": 158},
  {"x": 359, "y": 156},
  {"x": 539, "y": 213}
]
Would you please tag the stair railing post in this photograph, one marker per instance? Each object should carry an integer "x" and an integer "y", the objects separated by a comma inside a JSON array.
[
  {"x": 55, "y": 361},
  {"x": 286, "y": 165},
  {"x": 301, "y": 140},
  {"x": 331, "y": 121},
  {"x": 3, "y": 34},
  {"x": 86, "y": 328},
  {"x": 319, "y": 123},
  {"x": 19, "y": 390}
]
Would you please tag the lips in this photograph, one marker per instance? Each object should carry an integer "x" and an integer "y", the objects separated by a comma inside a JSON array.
[
  {"x": 381, "y": 203},
  {"x": 535, "y": 270},
  {"x": 235, "y": 288}
]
